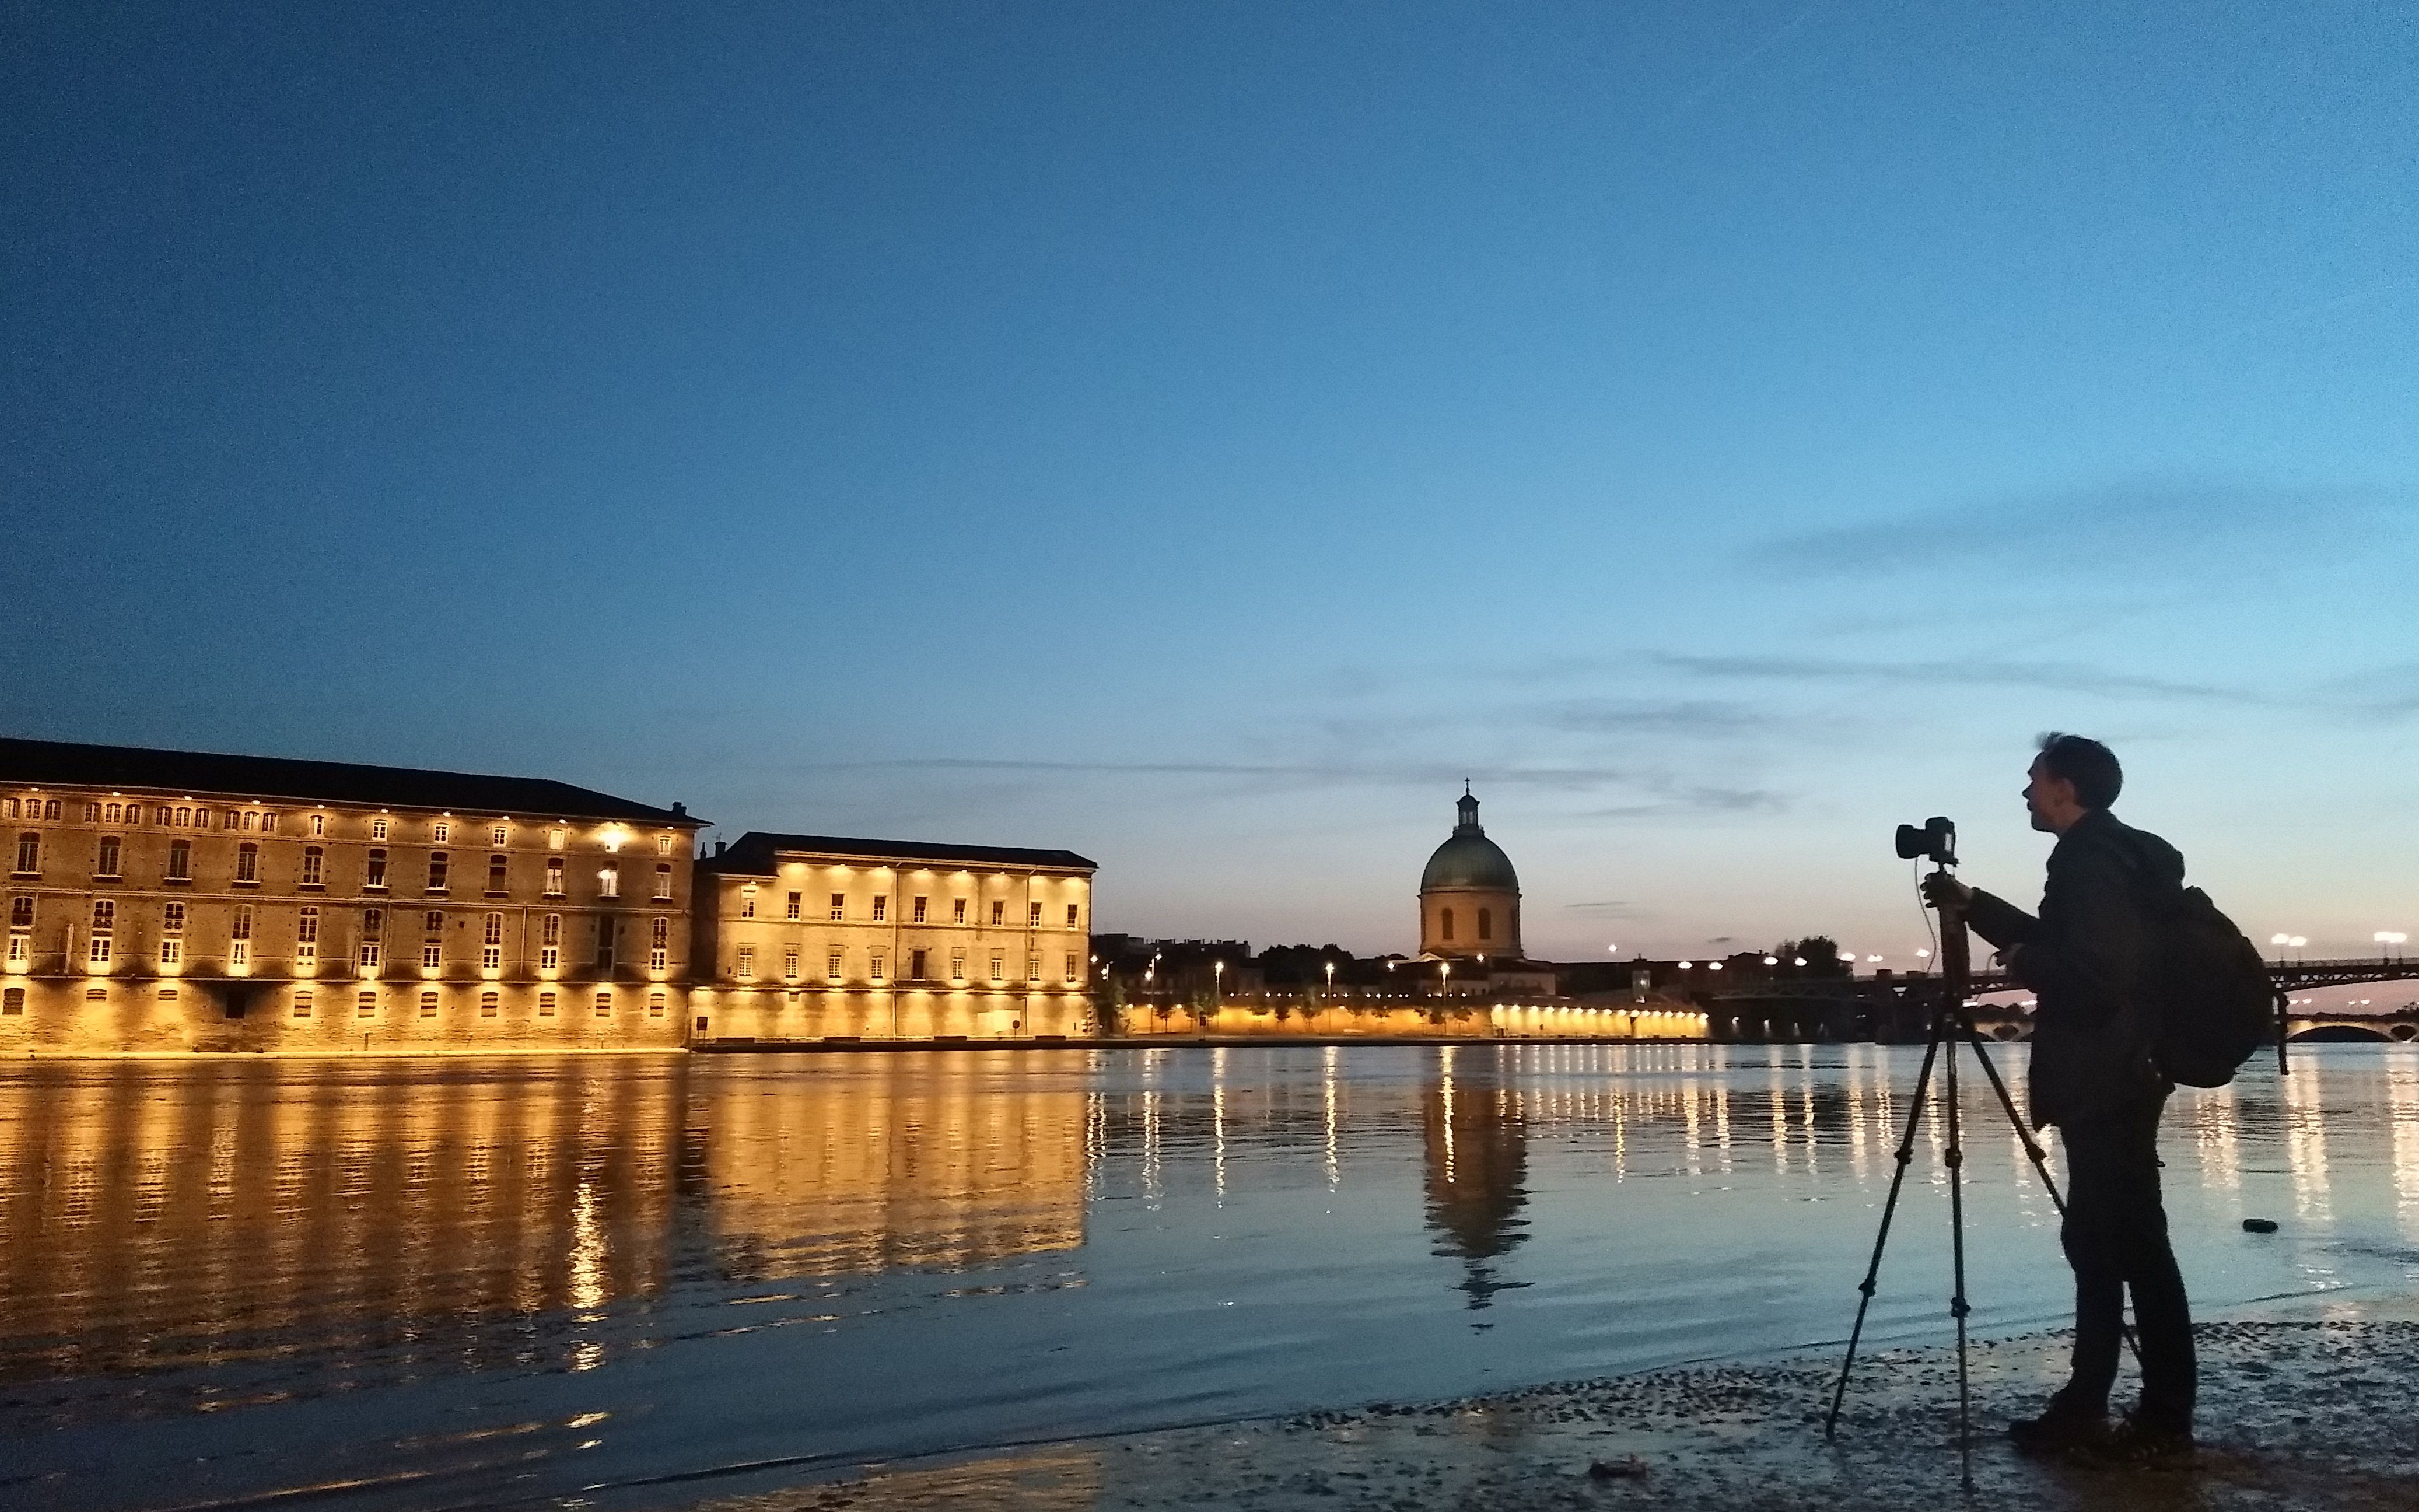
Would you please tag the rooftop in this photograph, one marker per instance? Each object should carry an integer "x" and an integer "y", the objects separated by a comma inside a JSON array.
[
  {"x": 755, "y": 854},
  {"x": 65, "y": 763}
]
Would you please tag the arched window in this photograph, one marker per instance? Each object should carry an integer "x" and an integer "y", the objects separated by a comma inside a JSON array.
[
  {"x": 1486, "y": 923},
  {"x": 1444, "y": 924}
]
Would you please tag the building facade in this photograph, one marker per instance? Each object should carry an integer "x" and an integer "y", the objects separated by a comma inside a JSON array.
[
  {"x": 168, "y": 900},
  {"x": 1469, "y": 896},
  {"x": 817, "y": 937}
]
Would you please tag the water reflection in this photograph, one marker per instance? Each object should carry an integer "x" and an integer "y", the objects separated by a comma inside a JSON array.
[
  {"x": 1126, "y": 1237},
  {"x": 1478, "y": 1161}
]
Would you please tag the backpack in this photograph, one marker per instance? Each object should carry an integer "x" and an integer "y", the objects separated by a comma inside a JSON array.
[{"x": 2210, "y": 988}]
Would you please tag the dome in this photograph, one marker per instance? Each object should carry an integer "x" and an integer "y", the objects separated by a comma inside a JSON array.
[{"x": 1470, "y": 860}]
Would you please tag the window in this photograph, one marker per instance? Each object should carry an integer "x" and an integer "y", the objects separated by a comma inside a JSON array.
[
  {"x": 315, "y": 862},
  {"x": 998, "y": 911},
  {"x": 919, "y": 910},
  {"x": 172, "y": 918},
  {"x": 554, "y": 876},
  {"x": 302, "y": 1003},
  {"x": 1033, "y": 916},
  {"x": 92, "y": 813},
  {"x": 378, "y": 827},
  {"x": 488, "y": 1002},
  {"x": 664, "y": 843},
  {"x": 432, "y": 924},
  {"x": 106, "y": 864},
  {"x": 51, "y": 811},
  {"x": 166, "y": 815},
  {"x": 916, "y": 966},
  {"x": 1444, "y": 924},
  {"x": 746, "y": 963},
  {"x": 20, "y": 913},
  {"x": 29, "y": 856},
  {"x": 172, "y": 950},
  {"x": 545, "y": 1005},
  {"x": 498, "y": 835},
  {"x": 428, "y": 1005},
  {"x": 748, "y": 901},
  {"x": 239, "y": 936},
  {"x": 832, "y": 966},
  {"x": 1486, "y": 923},
  {"x": 104, "y": 921},
  {"x": 604, "y": 1005},
  {"x": 440, "y": 831},
  {"x": 374, "y": 876},
  {"x": 881, "y": 909},
  {"x": 956, "y": 910},
  {"x": 659, "y": 947},
  {"x": 1073, "y": 913},
  {"x": 790, "y": 963},
  {"x": 663, "y": 879},
  {"x": 438, "y": 865},
  {"x": 957, "y": 965},
  {"x": 306, "y": 938},
  {"x": 318, "y": 825},
  {"x": 797, "y": 903},
  {"x": 13, "y": 1002},
  {"x": 181, "y": 860},
  {"x": 605, "y": 944},
  {"x": 172, "y": 935},
  {"x": 21, "y": 948},
  {"x": 495, "y": 876},
  {"x": 1033, "y": 966},
  {"x": 555, "y": 839},
  {"x": 365, "y": 1006},
  {"x": 373, "y": 923},
  {"x": 370, "y": 944},
  {"x": 1073, "y": 968},
  {"x": 998, "y": 966},
  {"x": 491, "y": 944},
  {"x": 839, "y": 906},
  {"x": 876, "y": 971},
  {"x": 609, "y": 880},
  {"x": 247, "y": 865},
  {"x": 550, "y": 949},
  {"x": 432, "y": 955},
  {"x": 654, "y": 1004}
]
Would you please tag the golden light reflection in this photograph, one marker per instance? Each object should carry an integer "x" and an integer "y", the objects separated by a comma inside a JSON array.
[
  {"x": 2305, "y": 1145},
  {"x": 2402, "y": 1103}
]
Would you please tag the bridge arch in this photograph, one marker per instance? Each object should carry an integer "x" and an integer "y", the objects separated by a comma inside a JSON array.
[{"x": 2348, "y": 1034}]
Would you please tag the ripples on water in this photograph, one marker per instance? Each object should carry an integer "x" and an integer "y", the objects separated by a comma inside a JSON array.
[{"x": 469, "y": 1280}]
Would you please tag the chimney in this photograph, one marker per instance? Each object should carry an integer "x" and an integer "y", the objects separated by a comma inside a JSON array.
[
  {"x": 718, "y": 847},
  {"x": 680, "y": 811}
]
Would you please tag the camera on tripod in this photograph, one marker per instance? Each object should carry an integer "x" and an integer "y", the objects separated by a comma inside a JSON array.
[{"x": 1935, "y": 840}]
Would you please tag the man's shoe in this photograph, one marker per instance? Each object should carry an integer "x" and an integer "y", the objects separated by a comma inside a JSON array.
[
  {"x": 2058, "y": 1428},
  {"x": 2140, "y": 1443}
]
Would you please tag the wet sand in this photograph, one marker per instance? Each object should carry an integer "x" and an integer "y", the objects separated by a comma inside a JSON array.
[{"x": 2301, "y": 1407}]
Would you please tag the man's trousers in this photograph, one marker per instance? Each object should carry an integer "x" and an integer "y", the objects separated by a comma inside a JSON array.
[{"x": 2116, "y": 1239}]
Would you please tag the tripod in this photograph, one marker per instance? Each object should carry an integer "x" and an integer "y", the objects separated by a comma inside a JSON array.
[{"x": 1951, "y": 1024}]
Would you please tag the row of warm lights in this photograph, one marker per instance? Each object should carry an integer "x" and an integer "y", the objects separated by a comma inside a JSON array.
[
  {"x": 1847, "y": 956},
  {"x": 2384, "y": 936}
]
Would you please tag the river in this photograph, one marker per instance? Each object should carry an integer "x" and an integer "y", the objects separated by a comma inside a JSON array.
[{"x": 477, "y": 1282}]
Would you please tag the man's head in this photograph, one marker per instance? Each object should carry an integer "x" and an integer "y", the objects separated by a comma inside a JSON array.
[{"x": 2070, "y": 778}]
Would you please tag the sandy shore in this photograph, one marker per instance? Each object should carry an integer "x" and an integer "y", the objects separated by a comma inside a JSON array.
[{"x": 2308, "y": 1407}]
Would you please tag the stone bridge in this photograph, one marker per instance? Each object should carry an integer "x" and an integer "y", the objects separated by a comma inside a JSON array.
[{"x": 1894, "y": 1010}]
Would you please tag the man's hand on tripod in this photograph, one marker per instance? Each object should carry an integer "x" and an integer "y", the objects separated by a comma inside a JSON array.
[{"x": 1941, "y": 890}]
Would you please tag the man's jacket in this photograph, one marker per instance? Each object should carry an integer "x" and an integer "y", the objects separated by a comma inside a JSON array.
[{"x": 2085, "y": 960}]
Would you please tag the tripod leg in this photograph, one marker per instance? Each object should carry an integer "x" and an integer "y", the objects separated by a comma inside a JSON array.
[
  {"x": 2033, "y": 1149},
  {"x": 1890, "y": 1210},
  {"x": 1957, "y": 1305}
]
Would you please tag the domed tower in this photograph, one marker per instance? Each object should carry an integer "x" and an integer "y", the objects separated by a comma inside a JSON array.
[{"x": 1469, "y": 896}]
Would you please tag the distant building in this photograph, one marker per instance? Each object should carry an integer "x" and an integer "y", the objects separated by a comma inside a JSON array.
[
  {"x": 1469, "y": 896},
  {"x": 817, "y": 937},
  {"x": 162, "y": 899}
]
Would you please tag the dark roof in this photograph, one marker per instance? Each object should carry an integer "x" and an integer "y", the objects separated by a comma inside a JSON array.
[
  {"x": 61, "y": 762},
  {"x": 752, "y": 854}
]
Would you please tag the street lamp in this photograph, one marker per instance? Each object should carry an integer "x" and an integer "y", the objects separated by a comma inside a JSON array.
[
  {"x": 1331, "y": 975},
  {"x": 2389, "y": 937},
  {"x": 1218, "y": 978}
]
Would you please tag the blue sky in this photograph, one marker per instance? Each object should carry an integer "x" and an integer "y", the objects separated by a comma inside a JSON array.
[{"x": 1201, "y": 435}]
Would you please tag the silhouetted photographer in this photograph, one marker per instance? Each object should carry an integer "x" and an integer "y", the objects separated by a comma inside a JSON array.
[{"x": 2090, "y": 959}]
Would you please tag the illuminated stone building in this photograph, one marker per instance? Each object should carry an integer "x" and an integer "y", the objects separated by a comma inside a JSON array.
[
  {"x": 817, "y": 937},
  {"x": 177, "y": 901},
  {"x": 1469, "y": 896}
]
